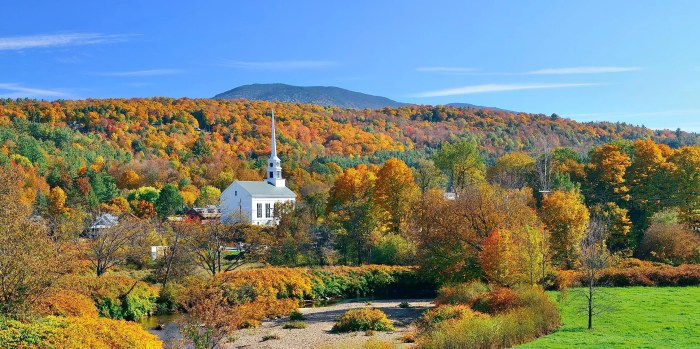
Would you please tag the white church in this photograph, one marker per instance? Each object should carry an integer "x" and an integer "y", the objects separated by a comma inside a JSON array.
[{"x": 255, "y": 200}]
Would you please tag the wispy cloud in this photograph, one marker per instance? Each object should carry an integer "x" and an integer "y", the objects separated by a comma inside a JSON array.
[
  {"x": 449, "y": 70},
  {"x": 582, "y": 70},
  {"x": 280, "y": 65},
  {"x": 13, "y": 90},
  {"x": 54, "y": 40},
  {"x": 547, "y": 71},
  {"x": 140, "y": 73},
  {"x": 496, "y": 88}
]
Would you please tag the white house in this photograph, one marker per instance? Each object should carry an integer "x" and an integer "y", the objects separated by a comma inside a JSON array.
[{"x": 255, "y": 200}]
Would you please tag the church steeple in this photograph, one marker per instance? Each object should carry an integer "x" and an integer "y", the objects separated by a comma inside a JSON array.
[{"x": 274, "y": 166}]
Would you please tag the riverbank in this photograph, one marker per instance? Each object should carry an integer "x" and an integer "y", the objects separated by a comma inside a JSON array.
[{"x": 320, "y": 321}]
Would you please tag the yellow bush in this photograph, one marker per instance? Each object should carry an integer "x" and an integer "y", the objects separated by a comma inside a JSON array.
[
  {"x": 66, "y": 303},
  {"x": 75, "y": 333},
  {"x": 364, "y": 319}
]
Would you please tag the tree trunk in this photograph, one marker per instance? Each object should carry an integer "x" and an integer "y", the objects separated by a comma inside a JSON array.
[{"x": 590, "y": 305}]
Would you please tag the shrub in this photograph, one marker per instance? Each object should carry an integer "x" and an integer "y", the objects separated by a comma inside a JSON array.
[
  {"x": 117, "y": 297},
  {"x": 671, "y": 243},
  {"x": 295, "y": 325},
  {"x": 497, "y": 301},
  {"x": 429, "y": 319},
  {"x": 270, "y": 337},
  {"x": 75, "y": 332},
  {"x": 66, "y": 303},
  {"x": 464, "y": 293},
  {"x": 404, "y": 305},
  {"x": 296, "y": 316},
  {"x": 409, "y": 337},
  {"x": 254, "y": 312},
  {"x": 362, "y": 320},
  {"x": 530, "y": 315},
  {"x": 374, "y": 343}
]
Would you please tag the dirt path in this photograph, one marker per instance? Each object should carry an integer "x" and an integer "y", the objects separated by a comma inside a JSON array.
[{"x": 321, "y": 320}]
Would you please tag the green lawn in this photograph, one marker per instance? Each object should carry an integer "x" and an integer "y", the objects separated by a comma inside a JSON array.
[{"x": 639, "y": 317}]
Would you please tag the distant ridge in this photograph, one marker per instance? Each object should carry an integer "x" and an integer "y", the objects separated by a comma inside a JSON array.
[
  {"x": 469, "y": 105},
  {"x": 320, "y": 95}
]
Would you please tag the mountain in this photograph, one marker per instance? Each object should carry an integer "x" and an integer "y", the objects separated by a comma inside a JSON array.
[
  {"x": 328, "y": 96},
  {"x": 469, "y": 105}
]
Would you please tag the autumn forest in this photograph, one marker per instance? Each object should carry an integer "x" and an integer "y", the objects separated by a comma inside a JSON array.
[{"x": 481, "y": 209}]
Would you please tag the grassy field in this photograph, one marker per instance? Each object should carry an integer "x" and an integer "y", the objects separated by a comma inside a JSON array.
[{"x": 638, "y": 317}]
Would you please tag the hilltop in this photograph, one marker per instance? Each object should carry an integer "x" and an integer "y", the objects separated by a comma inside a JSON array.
[{"x": 328, "y": 96}]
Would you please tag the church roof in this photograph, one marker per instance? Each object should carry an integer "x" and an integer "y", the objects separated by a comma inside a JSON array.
[{"x": 262, "y": 189}]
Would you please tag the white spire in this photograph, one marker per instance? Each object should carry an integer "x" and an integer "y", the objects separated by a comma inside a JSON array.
[
  {"x": 274, "y": 167},
  {"x": 273, "y": 152}
]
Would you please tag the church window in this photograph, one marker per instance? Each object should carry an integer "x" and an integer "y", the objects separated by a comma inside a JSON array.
[
  {"x": 259, "y": 210},
  {"x": 279, "y": 174},
  {"x": 271, "y": 164},
  {"x": 235, "y": 193},
  {"x": 268, "y": 211},
  {"x": 271, "y": 174}
]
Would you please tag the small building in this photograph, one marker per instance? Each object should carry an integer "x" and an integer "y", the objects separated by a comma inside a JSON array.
[
  {"x": 255, "y": 200},
  {"x": 103, "y": 221},
  {"x": 207, "y": 214}
]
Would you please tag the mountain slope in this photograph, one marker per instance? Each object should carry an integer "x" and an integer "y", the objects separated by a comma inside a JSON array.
[{"x": 321, "y": 95}]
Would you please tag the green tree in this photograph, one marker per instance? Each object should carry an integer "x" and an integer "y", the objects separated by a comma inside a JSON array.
[
  {"x": 208, "y": 196},
  {"x": 169, "y": 201},
  {"x": 201, "y": 148},
  {"x": 461, "y": 163},
  {"x": 428, "y": 176}
]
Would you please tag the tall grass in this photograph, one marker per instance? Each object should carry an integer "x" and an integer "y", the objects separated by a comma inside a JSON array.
[{"x": 530, "y": 315}]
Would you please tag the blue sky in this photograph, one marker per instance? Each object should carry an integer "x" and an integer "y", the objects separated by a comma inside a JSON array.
[{"x": 631, "y": 61}]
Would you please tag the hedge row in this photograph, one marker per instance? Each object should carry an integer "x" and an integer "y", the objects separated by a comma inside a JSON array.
[
  {"x": 636, "y": 274},
  {"x": 317, "y": 283}
]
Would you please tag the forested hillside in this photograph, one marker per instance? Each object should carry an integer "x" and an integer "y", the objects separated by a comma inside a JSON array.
[{"x": 94, "y": 150}]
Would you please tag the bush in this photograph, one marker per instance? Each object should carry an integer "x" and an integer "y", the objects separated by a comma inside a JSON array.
[
  {"x": 497, "y": 301},
  {"x": 66, "y": 303},
  {"x": 296, "y": 316},
  {"x": 671, "y": 243},
  {"x": 464, "y": 293},
  {"x": 429, "y": 319},
  {"x": 363, "y": 320},
  {"x": 404, "y": 305},
  {"x": 254, "y": 312},
  {"x": 116, "y": 297},
  {"x": 270, "y": 337},
  {"x": 75, "y": 332},
  {"x": 295, "y": 325},
  {"x": 530, "y": 315}
]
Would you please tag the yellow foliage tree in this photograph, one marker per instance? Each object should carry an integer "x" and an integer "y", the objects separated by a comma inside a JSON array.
[
  {"x": 566, "y": 219},
  {"x": 57, "y": 201},
  {"x": 395, "y": 191}
]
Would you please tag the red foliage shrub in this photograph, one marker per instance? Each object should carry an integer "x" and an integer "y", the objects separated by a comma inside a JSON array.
[
  {"x": 637, "y": 273},
  {"x": 499, "y": 300}
]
